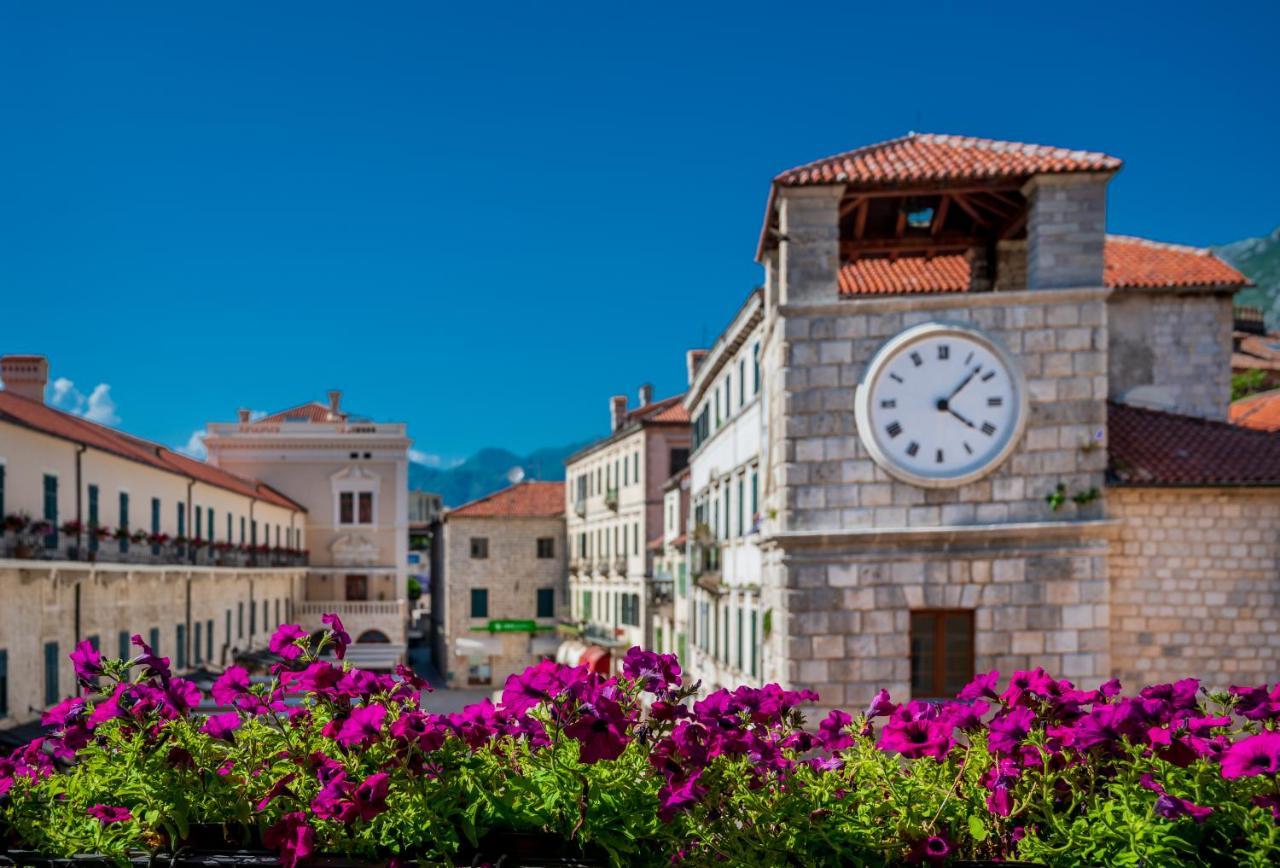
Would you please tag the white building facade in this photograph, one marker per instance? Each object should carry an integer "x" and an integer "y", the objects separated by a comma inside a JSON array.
[{"x": 353, "y": 477}]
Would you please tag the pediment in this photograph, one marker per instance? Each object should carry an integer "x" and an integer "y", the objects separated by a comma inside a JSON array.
[{"x": 354, "y": 549}]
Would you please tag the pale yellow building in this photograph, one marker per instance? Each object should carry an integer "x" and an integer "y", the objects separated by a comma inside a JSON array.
[
  {"x": 106, "y": 535},
  {"x": 352, "y": 475}
]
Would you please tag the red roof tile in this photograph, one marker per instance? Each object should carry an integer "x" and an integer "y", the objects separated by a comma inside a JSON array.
[
  {"x": 907, "y": 274},
  {"x": 524, "y": 500},
  {"x": 1127, "y": 263},
  {"x": 1138, "y": 263},
  {"x": 667, "y": 411},
  {"x": 312, "y": 411},
  {"x": 48, "y": 420},
  {"x": 1259, "y": 412},
  {"x": 925, "y": 157},
  {"x": 1151, "y": 447}
]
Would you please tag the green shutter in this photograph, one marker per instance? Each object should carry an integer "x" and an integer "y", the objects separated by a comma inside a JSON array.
[
  {"x": 125, "y": 651},
  {"x": 479, "y": 603},
  {"x": 93, "y": 517},
  {"x": 196, "y": 645},
  {"x": 546, "y": 602},
  {"x": 51, "y": 673},
  {"x": 124, "y": 519},
  {"x": 51, "y": 509},
  {"x": 180, "y": 633}
]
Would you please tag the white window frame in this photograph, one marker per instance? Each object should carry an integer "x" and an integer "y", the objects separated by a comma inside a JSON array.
[{"x": 355, "y": 481}]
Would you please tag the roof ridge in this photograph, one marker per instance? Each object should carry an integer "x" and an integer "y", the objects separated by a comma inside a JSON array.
[
  {"x": 1196, "y": 420},
  {"x": 1161, "y": 245},
  {"x": 861, "y": 149}
]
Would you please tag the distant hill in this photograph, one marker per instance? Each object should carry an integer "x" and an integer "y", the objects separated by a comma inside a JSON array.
[
  {"x": 488, "y": 471},
  {"x": 1259, "y": 260}
]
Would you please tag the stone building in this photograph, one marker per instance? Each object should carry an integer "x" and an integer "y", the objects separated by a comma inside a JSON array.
[
  {"x": 949, "y": 343},
  {"x": 352, "y": 474},
  {"x": 614, "y": 498},
  {"x": 107, "y": 535},
  {"x": 502, "y": 583}
]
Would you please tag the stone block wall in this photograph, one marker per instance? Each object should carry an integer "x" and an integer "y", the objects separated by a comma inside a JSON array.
[
  {"x": 1171, "y": 351},
  {"x": 1038, "y": 602},
  {"x": 1195, "y": 577},
  {"x": 826, "y": 480},
  {"x": 1066, "y": 230}
]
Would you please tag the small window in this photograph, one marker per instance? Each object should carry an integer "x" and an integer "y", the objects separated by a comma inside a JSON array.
[
  {"x": 480, "y": 547},
  {"x": 366, "y": 510},
  {"x": 123, "y": 638},
  {"x": 197, "y": 645},
  {"x": 4, "y": 682},
  {"x": 180, "y": 633},
  {"x": 346, "y": 507},
  {"x": 941, "y": 653},
  {"x": 546, "y": 547},
  {"x": 479, "y": 603},
  {"x": 546, "y": 602},
  {"x": 51, "y": 696}
]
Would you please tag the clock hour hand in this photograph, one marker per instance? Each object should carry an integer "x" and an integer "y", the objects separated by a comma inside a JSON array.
[{"x": 961, "y": 418}]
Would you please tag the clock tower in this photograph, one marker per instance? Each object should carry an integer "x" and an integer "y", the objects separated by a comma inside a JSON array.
[{"x": 935, "y": 375}]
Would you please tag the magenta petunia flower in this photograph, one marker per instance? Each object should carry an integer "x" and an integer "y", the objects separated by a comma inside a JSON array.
[
  {"x": 362, "y": 726},
  {"x": 935, "y": 848},
  {"x": 285, "y": 641},
  {"x": 292, "y": 837},
  {"x": 653, "y": 672},
  {"x": 156, "y": 667},
  {"x": 341, "y": 639},
  {"x": 1009, "y": 728},
  {"x": 1256, "y": 755},
  {"x": 221, "y": 726},
  {"x": 677, "y": 796},
  {"x": 87, "y": 662},
  {"x": 230, "y": 686},
  {"x": 370, "y": 797},
  {"x": 833, "y": 731},
  {"x": 108, "y": 814},
  {"x": 182, "y": 695},
  {"x": 983, "y": 686},
  {"x": 599, "y": 737},
  {"x": 881, "y": 706},
  {"x": 916, "y": 738},
  {"x": 64, "y": 712},
  {"x": 278, "y": 789}
]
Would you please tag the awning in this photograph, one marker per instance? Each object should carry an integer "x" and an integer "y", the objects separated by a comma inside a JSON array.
[
  {"x": 477, "y": 646},
  {"x": 570, "y": 652},
  {"x": 596, "y": 659}
]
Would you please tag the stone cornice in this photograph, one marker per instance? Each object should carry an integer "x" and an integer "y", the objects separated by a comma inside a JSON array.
[
  {"x": 907, "y": 540},
  {"x": 947, "y": 301}
]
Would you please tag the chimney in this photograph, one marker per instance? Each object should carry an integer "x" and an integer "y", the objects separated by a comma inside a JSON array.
[
  {"x": 25, "y": 376},
  {"x": 617, "y": 411},
  {"x": 646, "y": 394},
  {"x": 243, "y": 413},
  {"x": 692, "y": 359},
  {"x": 335, "y": 398}
]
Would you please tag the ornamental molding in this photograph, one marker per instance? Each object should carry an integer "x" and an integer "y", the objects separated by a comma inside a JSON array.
[
  {"x": 905, "y": 541},
  {"x": 354, "y": 550}
]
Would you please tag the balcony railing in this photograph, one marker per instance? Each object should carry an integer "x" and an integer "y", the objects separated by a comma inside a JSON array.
[
  {"x": 114, "y": 550},
  {"x": 363, "y": 608},
  {"x": 619, "y": 566},
  {"x": 661, "y": 592},
  {"x": 611, "y": 499},
  {"x": 602, "y": 566},
  {"x": 580, "y": 507}
]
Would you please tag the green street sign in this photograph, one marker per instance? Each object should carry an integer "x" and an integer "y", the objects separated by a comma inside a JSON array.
[{"x": 513, "y": 626}]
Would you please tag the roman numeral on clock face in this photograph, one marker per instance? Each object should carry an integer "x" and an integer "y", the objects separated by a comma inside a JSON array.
[
  {"x": 939, "y": 458},
  {"x": 988, "y": 428},
  {"x": 988, "y": 375},
  {"x": 894, "y": 429},
  {"x": 889, "y": 404},
  {"x": 995, "y": 402},
  {"x": 944, "y": 351},
  {"x": 916, "y": 359},
  {"x": 913, "y": 448}
]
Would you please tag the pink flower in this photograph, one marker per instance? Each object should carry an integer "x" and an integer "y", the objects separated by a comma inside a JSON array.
[
  {"x": 1256, "y": 755},
  {"x": 916, "y": 738},
  {"x": 278, "y": 789},
  {"x": 182, "y": 695},
  {"x": 292, "y": 838},
  {"x": 156, "y": 667},
  {"x": 220, "y": 726},
  {"x": 983, "y": 686},
  {"x": 64, "y": 712},
  {"x": 363, "y": 726},
  {"x": 677, "y": 796},
  {"x": 653, "y": 672},
  {"x": 285, "y": 641},
  {"x": 107, "y": 814},
  {"x": 230, "y": 686},
  {"x": 341, "y": 639},
  {"x": 932, "y": 849},
  {"x": 881, "y": 706},
  {"x": 371, "y": 796},
  {"x": 833, "y": 731},
  {"x": 87, "y": 662},
  {"x": 600, "y": 732},
  {"x": 1009, "y": 728}
]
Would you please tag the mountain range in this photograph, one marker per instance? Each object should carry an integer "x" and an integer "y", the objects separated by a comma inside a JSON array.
[
  {"x": 1259, "y": 260},
  {"x": 489, "y": 470}
]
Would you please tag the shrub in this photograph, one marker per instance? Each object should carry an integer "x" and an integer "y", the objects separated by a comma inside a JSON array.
[{"x": 330, "y": 759}]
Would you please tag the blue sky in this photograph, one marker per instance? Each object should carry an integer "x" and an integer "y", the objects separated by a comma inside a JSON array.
[{"x": 484, "y": 220}]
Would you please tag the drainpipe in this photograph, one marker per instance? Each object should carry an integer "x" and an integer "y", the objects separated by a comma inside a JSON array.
[
  {"x": 191, "y": 531},
  {"x": 79, "y": 497},
  {"x": 186, "y": 652}
]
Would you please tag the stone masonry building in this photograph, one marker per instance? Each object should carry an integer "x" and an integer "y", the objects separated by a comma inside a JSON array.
[{"x": 990, "y": 434}]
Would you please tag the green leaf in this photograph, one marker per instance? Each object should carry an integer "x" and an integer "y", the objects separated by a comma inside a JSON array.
[{"x": 977, "y": 829}]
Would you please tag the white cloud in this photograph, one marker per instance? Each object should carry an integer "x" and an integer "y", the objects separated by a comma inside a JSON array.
[
  {"x": 98, "y": 406},
  {"x": 194, "y": 447},
  {"x": 430, "y": 459}
]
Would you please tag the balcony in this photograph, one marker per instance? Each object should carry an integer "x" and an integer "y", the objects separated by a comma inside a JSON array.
[
  {"x": 611, "y": 499},
  {"x": 574, "y": 566},
  {"x": 352, "y": 608},
  {"x": 580, "y": 507},
  {"x": 602, "y": 566},
  {"x": 619, "y": 566},
  {"x": 661, "y": 596},
  {"x": 32, "y": 542}
]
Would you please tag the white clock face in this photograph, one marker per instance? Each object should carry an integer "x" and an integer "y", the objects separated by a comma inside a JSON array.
[{"x": 940, "y": 405}]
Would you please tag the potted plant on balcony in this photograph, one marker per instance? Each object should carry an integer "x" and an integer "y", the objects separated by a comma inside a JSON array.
[
  {"x": 15, "y": 526},
  {"x": 38, "y": 533},
  {"x": 72, "y": 529}
]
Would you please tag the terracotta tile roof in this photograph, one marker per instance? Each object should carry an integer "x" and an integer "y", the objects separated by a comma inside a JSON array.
[
  {"x": 925, "y": 157},
  {"x": 1151, "y": 447},
  {"x": 523, "y": 500},
  {"x": 1127, "y": 263},
  {"x": 1245, "y": 362},
  {"x": 907, "y": 274},
  {"x": 1261, "y": 347},
  {"x": 312, "y": 411},
  {"x": 1138, "y": 263},
  {"x": 667, "y": 411},
  {"x": 1260, "y": 412},
  {"x": 48, "y": 420}
]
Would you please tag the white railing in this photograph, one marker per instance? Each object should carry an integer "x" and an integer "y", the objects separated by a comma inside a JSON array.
[{"x": 352, "y": 607}]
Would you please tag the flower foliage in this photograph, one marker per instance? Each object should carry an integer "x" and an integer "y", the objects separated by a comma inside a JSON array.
[{"x": 643, "y": 768}]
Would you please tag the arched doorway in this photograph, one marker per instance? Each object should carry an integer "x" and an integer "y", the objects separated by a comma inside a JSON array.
[{"x": 373, "y": 637}]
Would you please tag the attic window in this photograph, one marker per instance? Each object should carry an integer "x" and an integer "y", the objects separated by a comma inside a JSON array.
[{"x": 919, "y": 218}]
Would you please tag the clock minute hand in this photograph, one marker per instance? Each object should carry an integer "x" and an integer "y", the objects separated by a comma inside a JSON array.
[
  {"x": 961, "y": 418},
  {"x": 964, "y": 382}
]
